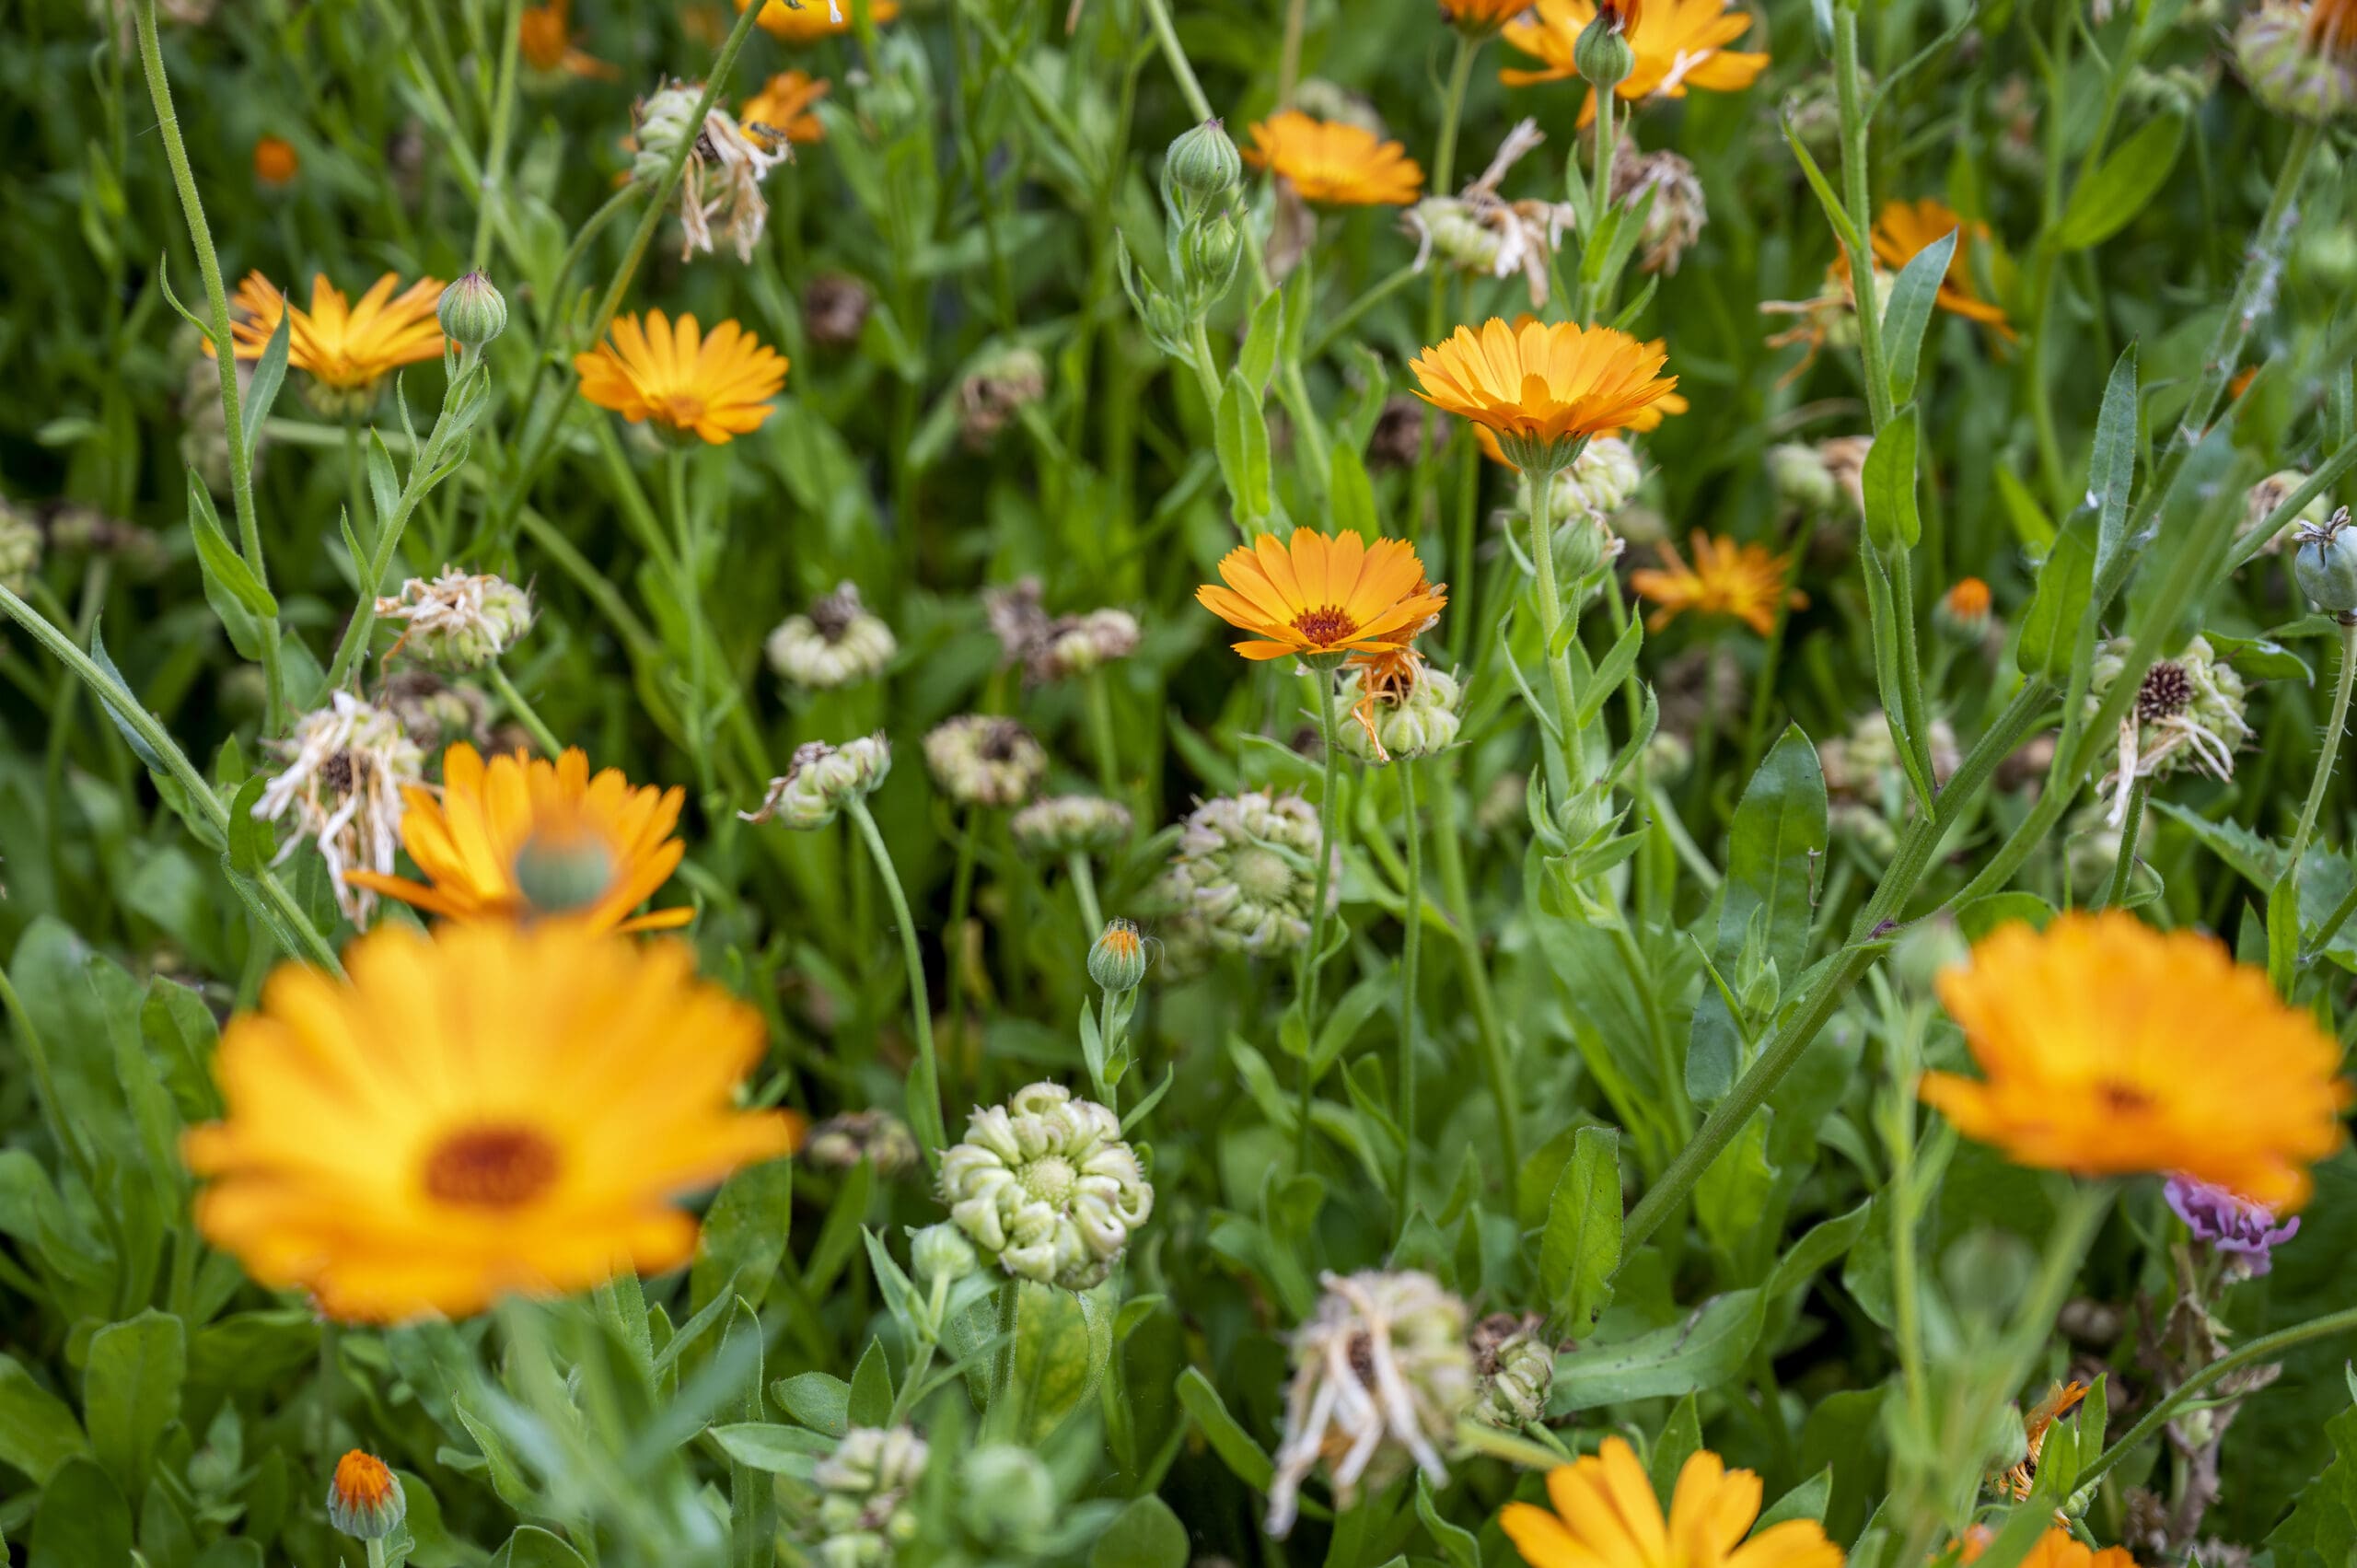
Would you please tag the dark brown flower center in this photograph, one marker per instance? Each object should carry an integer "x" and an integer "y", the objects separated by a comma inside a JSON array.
[
  {"x": 2167, "y": 689},
  {"x": 1325, "y": 627},
  {"x": 336, "y": 774},
  {"x": 2121, "y": 1099},
  {"x": 491, "y": 1167}
]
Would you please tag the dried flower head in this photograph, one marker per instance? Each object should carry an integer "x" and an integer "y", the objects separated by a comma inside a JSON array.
[
  {"x": 1045, "y": 1186},
  {"x": 834, "y": 310},
  {"x": 347, "y": 768},
  {"x": 459, "y": 620},
  {"x": 1071, "y": 824},
  {"x": 1513, "y": 1368},
  {"x": 877, "y": 1136},
  {"x": 1678, "y": 212},
  {"x": 984, "y": 760},
  {"x": 999, "y": 386},
  {"x": 726, "y": 166},
  {"x": 824, "y": 779},
  {"x": 1381, "y": 1373},
  {"x": 1247, "y": 871},
  {"x": 2260, "y": 502},
  {"x": 1480, "y": 232},
  {"x": 2188, "y": 712},
  {"x": 837, "y": 642}
]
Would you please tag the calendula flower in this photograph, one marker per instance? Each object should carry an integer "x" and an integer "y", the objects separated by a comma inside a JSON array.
[
  {"x": 1605, "y": 1515},
  {"x": 2300, "y": 56},
  {"x": 459, "y": 620},
  {"x": 364, "y": 1497},
  {"x": 2244, "y": 1233},
  {"x": 519, "y": 837},
  {"x": 1334, "y": 161},
  {"x": 2099, "y": 1045},
  {"x": 348, "y": 769},
  {"x": 1246, "y": 874},
  {"x": 347, "y": 349},
  {"x": 1963, "y": 610},
  {"x": 1677, "y": 44},
  {"x": 275, "y": 161},
  {"x": 1541, "y": 389},
  {"x": 807, "y": 21},
  {"x": 1479, "y": 18},
  {"x": 1746, "y": 581},
  {"x": 1323, "y": 596},
  {"x": 782, "y": 110},
  {"x": 722, "y": 176},
  {"x": 2057, "y": 1547},
  {"x": 544, "y": 39},
  {"x": 496, "y": 1109},
  {"x": 2037, "y": 1421},
  {"x": 1045, "y": 1186},
  {"x": 1480, "y": 232},
  {"x": 1904, "y": 229},
  {"x": 2188, "y": 712},
  {"x": 714, "y": 386}
]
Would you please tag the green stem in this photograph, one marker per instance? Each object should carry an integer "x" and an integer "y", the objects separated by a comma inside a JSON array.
[
  {"x": 2331, "y": 751},
  {"x": 1550, "y": 620},
  {"x": 1101, "y": 731},
  {"x": 1306, "y": 972},
  {"x": 1856, "y": 198},
  {"x": 524, "y": 713},
  {"x": 208, "y": 263},
  {"x": 1159, "y": 18},
  {"x": 502, "y": 116},
  {"x": 1597, "y": 295},
  {"x": 1408, "y": 949},
  {"x": 1289, "y": 51},
  {"x": 1497, "y": 1060},
  {"x": 2123, "y": 869},
  {"x": 1084, "y": 887},
  {"x": 590, "y": 228},
  {"x": 1460, "y": 74},
  {"x": 925, "y": 1117},
  {"x": 1333, "y": 329}
]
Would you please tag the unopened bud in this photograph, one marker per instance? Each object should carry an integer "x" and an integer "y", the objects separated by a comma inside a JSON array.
[
  {"x": 942, "y": 1252},
  {"x": 472, "y": 311},
  {"x": 365, "y": 1499},
  {"x": 1117, "y": 959},
  {"x": 2324, "y": 562},
  {"x": 1603, "y": 54},
  {"x": 1201, "y": 167}
]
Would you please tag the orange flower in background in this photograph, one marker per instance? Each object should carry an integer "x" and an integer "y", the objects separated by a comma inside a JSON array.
[
  {"x": 495, "y": 1109},
  {"x": 2060, "y": 1401},
  {"x": 1968, "y": 599},
  {"x": 1333, "y": 161},
  {"x": 783, "y": 105},
  {"x": 544, "y": 38},
  {"x": 2057, "y": 1547},
  {"x": 813, "y": 20},
  {"x": 1479, "y": 18},
  {"x": 716, "y": 387},
  {"x": 1904, "y": 229},
  {"x": 2108, "y": 1048},
  {"x": 1323, "y": 595},
  {"x": 1746, "y": 581},
  {"x": 1604, "y": 1514},
  {"x": 276, "y": 160},
  {"x": 519, "y": 837},
  {"x": 1678, "y": 44},
  {"x": 1539, "y": 383},
  {"x": 2332, "y": 28},
  {"x": 346, "y": 345}
]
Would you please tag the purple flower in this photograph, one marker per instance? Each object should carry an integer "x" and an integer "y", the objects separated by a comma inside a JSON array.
[{"x": 2229, "y": 1222}]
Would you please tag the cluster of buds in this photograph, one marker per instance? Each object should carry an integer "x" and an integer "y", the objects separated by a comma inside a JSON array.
[
  {"x": 837, "y": 642},
  {"x": 2300, "y": 57},
  {"x": 2188, "y": 712},
  {"x": 1200, "y": 177},
  {"x": 984, "y": 760},
  {"x": 1480, "y": 232},
  {"x": 864, "y": 1513},
  {"x": 1381, "y": 1373},
  {"x": 824, "y": 779},
  {"x": 1601, "y": 480},
  {"x": 2260, "y": 502},
  {"x": 1000, "y": 385},
  {"x": 879, "y": 1137},
  {"x": 1394, "y": 706},
  {"x": 1045, "y": 1187},
  {"x": 1677, "y": 217},
  {"x": 1071, "y": 824},
  {"x": 459, "y": 620},
  {"x": 1246, "y": 871},
  {"x": 1802, "y": 478},
  {"x": 346, "y": 766},
  {"x": 1513, "y": 1370},
  {"x": 726, "y": 166},
  {"x": 1055, "y": 647}
]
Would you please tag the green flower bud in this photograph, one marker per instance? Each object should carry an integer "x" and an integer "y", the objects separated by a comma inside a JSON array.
[
  {"x": 1212, "y": 248},
  {"x": 472, "y": 311},
  {"x": 823, "y": 780},
  {"x": 1201, "y": 167},
  {"x": 1045, "y": 1185},
  {"x": 365, "y": 1499},
  {"x": 1010, "y": 1496},
  {"x": 1603, "y": 54},
  {"x": 2324, "y": 562},
  {"x": 1069, "y": 824},
  {"x": 1117, "y": 960},
  {"x": 942, "y": 1252}
]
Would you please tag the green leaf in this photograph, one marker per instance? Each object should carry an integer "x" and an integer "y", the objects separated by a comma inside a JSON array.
[
  {"x": 770, "y": 1449},
  {"x": 870, "y": 1400},
  {"x": 1680, "y": 1439},
  {"x": 1350, "y": 496},
  {"x": 2256, "y": 658},
  {"x": 238, "y": 600},
  {"x": 252, "y": 839},
  {"x": 818, "y": 1399},
  {"x": 2111, "y": 470},
  {"x": 1146, "y": 1534},
  {"x": 1258, "y": 358},
  {"x": 1581, "y": 1246},
  {"x": 532, "y": 1547},
  {"x": 130, "y": 1392},
  {"x": 1888, "y": 483},
  {"x": 384, "y": 483},
  {"x": 1806, "y": 1500},
  {"x": 1240, "y": 438},
  {"x": 506, "y": 1477},
  {"x": 132, "y": 737},
  {"x": 1457, "y": 1543},
  {"x": 1701, "y": 1350},
  {"x": 2030, "y": 523},
  {"x": 82, "y": 1521},
  {"x": 1063, "y": 1340},
  {"x": 1910, "y": 310},
  {"x": 1986, "y": 914},
  {"x": 744, "y": 1236},
  {"x": 37, "y": 1431},
  {"x": 2131, "y": 176},
  {"x": 2321, "y": 1530},
  {"x": 1248, "y": 1459},
  {"x": 2065, "y": 583},
  {"x": 270, "y": 374}
]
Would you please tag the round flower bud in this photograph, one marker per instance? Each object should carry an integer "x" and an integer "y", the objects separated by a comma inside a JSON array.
[
  {"x": 1010, "y": 1496},
  {"x": 1045, "y": 1186},
  {"x": 1963, "y": 612},
  {"x": 842, "y": 1141},
  {"x": 1515, "y": 1371},
  {"x": 942, "y": 1252},
  {"x": 823, "y": 780},
  {"x": 1246, "y": 870},
  {"x": 2324, "y": 562},
  {"x": 862, "y": 1496},
  {"x": 665, "y": 119},
  {"x": 1602, "y": 53},
  {"x": 980, "y": 760},
  {"x": 1212, "y": 248},
  {"x": 1071, "y": 824},
  {"x": 1117, "y": 960},
  {"x": 1801, "y": 476},
  {"x": 20, "y": 548},
  {"x": 1395, "y": 707},
  {"x": 472, "y": 311},
  {"x": 364, "y": 1498},
  {"x": 837, "y": 644},
  {"x": 1202, "y": 165}
]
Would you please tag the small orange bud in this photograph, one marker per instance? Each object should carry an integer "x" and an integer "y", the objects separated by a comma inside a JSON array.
[
  {"x": 365, "y": 1499},
  {"x": 275, "y": 162}
]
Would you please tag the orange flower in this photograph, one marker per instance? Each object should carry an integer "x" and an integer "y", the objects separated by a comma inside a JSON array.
[
  {"x": 1746, "y": 581},
  {"x": 2060, "y": 1401},
  {"x": 784, "y": 106},
  {"x": 1538, "y": 386},
  {"x": 1323, "y": 596},
  {"x": 1678, "y": 44},
  {"x": 544, "y": 37},
  {"x": 2106, "y": 1047},
  {"x": 1904, "y": 229},
  {"x": 1333, "y": 161},
  {"x": 2332, "y": 26},
  {"x": 1479, "y": 18},
  {"x": 349, "y": 347},
  {"x": 811, "y": 20},
  {"x": 2057, "y": 1547},
  {"x": 275, "y": 162},
  {"x": 1604, "y": 1515},
  {"x": 716, "y": 387}
]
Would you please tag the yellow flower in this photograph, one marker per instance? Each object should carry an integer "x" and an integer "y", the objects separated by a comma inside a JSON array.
[
  {"x": 544, "y": 38},
  {"x": 813, "y": 20},
  {"x": 495, "y": 1109},
  {"x": 1333, "y": 161},
  {"x": 1903, "y": 229},
  {"x": 519, "y": 836},
  {"x": 1746, "y": 581},
  {"x": 2106, "y": 1047},
  {"x": 783, "y": 105},
  {"x": 1541, "y": 384},
  {"x": 717, "y": 387},
  {"x": 347, "y": 347},
  {"x": 1324, "y": 595},
  {"x": 1606, "y": 1515},
  {"x": 1678, "y": 44},
  {"x": 1479, "y": 18},
  {"x": 275, "y": 162},
  {"x": 2057, "y": 1547},
  {"x": 2060, "y": 1400}
]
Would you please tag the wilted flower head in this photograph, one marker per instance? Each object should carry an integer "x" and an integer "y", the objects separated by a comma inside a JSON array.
[
  {"x": 877, "y": 1136},
  {"x": 837, "y": 642},
  {"x": 346, "y": 764},
  {"x": 998, "y": 385},
  {"x": 1480, "y": 232},
  {"x": 2259, "y": 504},
  {"x": 2247, "y": 1232},
  {"x": 1674, "y": 220},
  {"x": 1513, "y": 1369},
  {"x": 984, "y": 760},
  {"x": 1045, "y": 1185},
  {"x": 1381, "y": 1373},
  {"x": 2300, "y": 56},
  {"x": 1395, "y": 705},
  {"x": 823, "y": 780},
  {"x": 863, "y": 1511},
  {"x": 433, "y": 711},
  {"x": 459, "y": 620},
  {"x": 2188, "y": 712},
  {"x": 724, "y": 169},
  {"x": 1075, "y": 645},
  {"x": 1247, "y": 871},
  {"x": 834, "y": 308},
  {"x": 1068, "y": 824}
]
